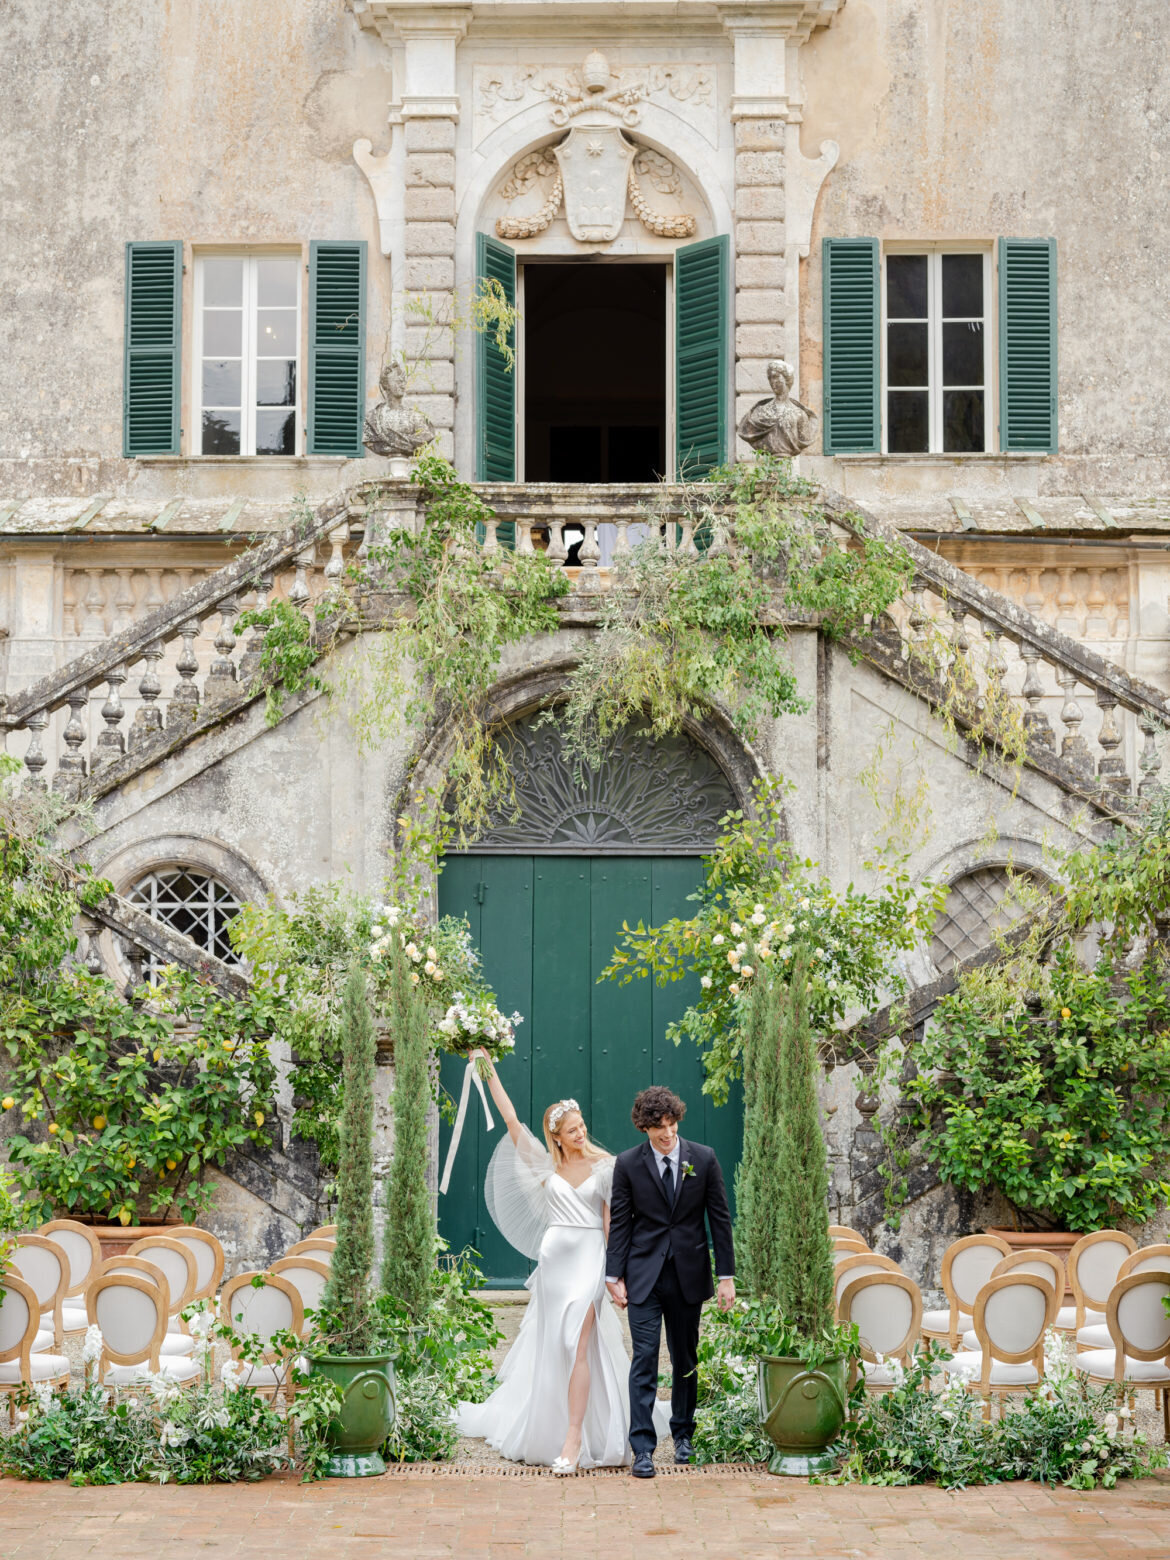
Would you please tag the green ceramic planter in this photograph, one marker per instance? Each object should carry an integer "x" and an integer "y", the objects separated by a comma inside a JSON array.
[
  {"x": 367, "y": 1411},
  {"x": 803, "y": 1412}
]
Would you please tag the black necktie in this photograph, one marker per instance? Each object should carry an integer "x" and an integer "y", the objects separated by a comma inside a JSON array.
[{"x": 668, "y": 1179}]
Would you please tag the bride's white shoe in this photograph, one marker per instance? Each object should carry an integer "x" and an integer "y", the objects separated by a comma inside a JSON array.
[{"x": 564, "y": 1465}]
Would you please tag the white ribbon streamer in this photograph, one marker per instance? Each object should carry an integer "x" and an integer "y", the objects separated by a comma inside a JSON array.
[{"x": 469, "y": 1077}]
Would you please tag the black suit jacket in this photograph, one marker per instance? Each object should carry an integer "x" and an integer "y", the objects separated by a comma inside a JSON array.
[{"x": 644, "y": 1225}]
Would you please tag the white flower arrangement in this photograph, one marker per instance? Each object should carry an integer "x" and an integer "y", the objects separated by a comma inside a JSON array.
[{"x": 91, "y": 1349}]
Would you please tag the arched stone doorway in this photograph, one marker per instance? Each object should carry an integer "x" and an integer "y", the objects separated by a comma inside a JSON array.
[{"x": 545, "y": 895}]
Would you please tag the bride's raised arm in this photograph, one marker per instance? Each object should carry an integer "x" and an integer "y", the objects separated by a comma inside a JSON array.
[{"x": 503, "y": 1104}]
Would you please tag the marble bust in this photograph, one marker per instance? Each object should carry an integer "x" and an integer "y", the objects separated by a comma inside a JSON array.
[
  {"x": 391, "y": 429},
  {"x": 778, "y": 425}
]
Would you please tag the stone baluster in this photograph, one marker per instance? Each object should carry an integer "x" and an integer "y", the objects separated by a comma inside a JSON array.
[
  {"x": 960, "y": 643},
  {"x": 71, "y": 765},
  {"x": 184, "y": 706},
  {"x": 917, "y": 618},
  {"x": 250, "y": 660},
  {"x": 557, "y": 551},
  {"x": 1036, "y": 722},
  {"x": 996, "y": 661},
  {"x": 590, "y": 551},
  {"x": 93, "y": 624},
  {"x": 687, "y": 536},
  {"x": 123, "y": 599},
  {"x": 34, "y": 758},
  {"x": 1111, "y": 765},
  {"x": 148, "y": 718},
  {"x": 1073, "y": 749},
  {"x": 335, "y": 568},
  {"x": 90, "y": 953},
  {"x": 134, "y": 956},
  {"x": 524, "y": 547},
  {"x": 621, "y": 542},
  {"x": 111, "y": 744},
  {"x": 299, "y": 592},
  {"x": 491, "y": 542},
  {"x": 220, "y": 682},
  {"x": 1150, "y": 760}
]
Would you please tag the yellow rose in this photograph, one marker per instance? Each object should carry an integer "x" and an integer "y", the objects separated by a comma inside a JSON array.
[
  {"x": 7, "y": 1102},
  {"x": 99, "y": 1122},
  {"x": 258, "y": 1118}
]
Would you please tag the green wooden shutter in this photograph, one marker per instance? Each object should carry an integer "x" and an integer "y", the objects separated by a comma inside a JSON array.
[
  {"x": 852, "y": 314},
  {"x": 1027, "y": 344},
  {"x": 495, "y": 383},
  {"x": 337, "y": 348},
  {"x": 151, "y": 386},
  {"x": 701, "y": 351}
]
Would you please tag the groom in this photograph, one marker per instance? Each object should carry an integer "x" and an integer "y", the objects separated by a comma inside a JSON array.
[{"x": 657, "y": 1263}]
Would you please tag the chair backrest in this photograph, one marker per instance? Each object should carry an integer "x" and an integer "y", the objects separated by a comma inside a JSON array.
[
  {"x": 20, "y": 1314},
  {"x": 843, "y": 1232},
  {"x": 859, "y": 1265},
  {"x": 209, "y": 1258},
  {"x": 144, "y": 1269},
  {"x": 131, "y": 1312},
  {"x": 321, "y": 1249},
  {"x": 329, "y": 1232},
  {"x": 1045, "y": 1264},
  {"x": 887, "y": 1308},
  {"x": 1011, "y": 1315},
  {"x": 307, "y": 1276},
  {"x": 177, "y": 1262},
  {"x": 80, "y": 1245},
  {"x": 1138, "y": 1321},
  {"x": 1094, "y": 1263},
  {"x": 848, "y": 1243},
  {"x": 967, "y": 1265},
  {"x": 261, "y": 1311},
  {"x": 1146, "y": 1259},
  {"x": 45, "y": 1269}
]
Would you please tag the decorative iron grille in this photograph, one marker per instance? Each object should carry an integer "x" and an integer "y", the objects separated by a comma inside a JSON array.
[{"x": 190, "y": 902}]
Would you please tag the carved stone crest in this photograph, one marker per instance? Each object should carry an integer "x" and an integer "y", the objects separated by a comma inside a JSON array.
[{"x": 595, "y": 168}]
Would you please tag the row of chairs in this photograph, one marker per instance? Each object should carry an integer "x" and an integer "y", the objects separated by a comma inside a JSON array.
[
  {"x": 1006, "y": 1302},
  {"x": 59, "y": 1284}
]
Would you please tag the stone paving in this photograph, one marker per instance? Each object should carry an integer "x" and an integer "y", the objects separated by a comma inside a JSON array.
[{"x": 430, "y": 1515}]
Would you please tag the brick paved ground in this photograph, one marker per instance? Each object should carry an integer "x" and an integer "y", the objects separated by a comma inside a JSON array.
[{"x": 724, "y": 1516}]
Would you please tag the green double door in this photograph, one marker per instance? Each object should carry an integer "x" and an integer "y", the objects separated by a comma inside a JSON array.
[{"x": 545, "y": 927}]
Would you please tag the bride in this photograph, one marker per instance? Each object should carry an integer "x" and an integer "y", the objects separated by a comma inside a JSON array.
[{"x": 562, "y": 1398}]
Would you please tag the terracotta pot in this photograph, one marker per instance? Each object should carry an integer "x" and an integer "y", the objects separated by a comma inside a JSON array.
[
  {"x": 1058, "y": 1242},
  {"x": 118, "y": 1239}
]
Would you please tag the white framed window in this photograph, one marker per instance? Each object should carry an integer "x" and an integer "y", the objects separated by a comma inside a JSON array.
[
  {"x": 936, "y": 357},
  {"x": 247, "y": 392},
  {"x": 191, "y": 902}
]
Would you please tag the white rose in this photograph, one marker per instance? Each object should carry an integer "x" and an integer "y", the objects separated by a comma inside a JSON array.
[
  {"x": 411, "y": 951},
  {"x": 789, "y": 929},
  {"x": 375, "y": 931},
  {"x": 705, "y": 982},
  {"x": 429, "y": 967},
  {"x": 438, "y": 974},
  {"x": 736, "y": 928},
  {"x": 734, "y": 989},
  {"x": 748, "y": 972},
  {"x": 733, "y": 958},
  {"x": 718, "y": 939},
  {"x": 804, "y": 904},
  {"x": 758, "y": 918},
  {"x": 759, "y": 909}
]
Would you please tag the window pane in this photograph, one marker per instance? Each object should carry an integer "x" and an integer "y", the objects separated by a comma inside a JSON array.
[
  {"x": 906, "y": 287},
  {"x": 276, "y": 282},
  {"x": 221, "y": 433},
  {"x": 906, "y": 355},
  {"x": 221, "y": 382},
  {"x": 962, "y": 286},
  {"x": 276, "y": 382},
  {"x": 276, "y": 332},
  {"x": 275, "y": 433},
  {"x": 222, "y": 329},
  {"x": 223, "y": 281},
  {"x": 908, "y": 421},
  {"x": 962, "y": 344},
  {"x": 962, "y": 420}
]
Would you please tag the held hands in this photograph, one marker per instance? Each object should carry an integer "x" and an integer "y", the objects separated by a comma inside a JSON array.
[
  {"x": 617, "y": 1291},
  {"x": 725, "y": 1294}
]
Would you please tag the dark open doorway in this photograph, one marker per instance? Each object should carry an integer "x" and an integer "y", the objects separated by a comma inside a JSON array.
[{"x": 594, "y": 372}]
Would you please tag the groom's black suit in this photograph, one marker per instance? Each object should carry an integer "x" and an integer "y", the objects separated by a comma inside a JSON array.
[{"x": 659, "y": 1247}]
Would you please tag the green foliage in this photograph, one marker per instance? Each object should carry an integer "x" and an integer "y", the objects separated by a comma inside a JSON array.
[
  {"x": 924, "y": 1432},
  {"x": 1124, "y": 882},
  {"x": 196, "y": 1435},
  {"x": 758, "y": 902},
  {"x": 680, "y": 632},
  {"x": 757, "y": 1235},
  {"x": 289, "y": 655},
  {"x": 347, "y": 1294},
  {"x": 1059, "y": 1102},
  {"x": 408, "y": 1247},
  {"x": 801, "y": 1186}
]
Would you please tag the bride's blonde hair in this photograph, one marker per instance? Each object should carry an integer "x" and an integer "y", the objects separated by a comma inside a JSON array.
[{"x": 560, "y": 1109}]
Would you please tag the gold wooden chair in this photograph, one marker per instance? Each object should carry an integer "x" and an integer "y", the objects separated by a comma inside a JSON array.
[
  {"x": 1093, "y": 1265},
  {"x": 273, "y": 1307},
  {"x": 858, "y": 1264},
  {"x": 1139, "y": 1327},
  {"x": 1146, "y": 1259},
  {"x": 20, "y": 1311},
  {"x": 177, "y": 1260},
  {"x": 322, "y": 1250},
  {"x": 1045, "y": 1264},
  {"x": 329, "y": 1232},
  {"x": 846, "y": 1244},
  {"x": 843, "y": 1232},
  {"x": 173, "y": 1342},
  {"x": 209, "y": 1259},
  {"x": 1011, "y": 1315},
  {"x": 887, "y": 1308},
  {"x": 307, "y": 1276},
  {"x": 131, "y": 1311},
  {"x": 84, "y": 1252},
  {"x": 45, "y": 1268},
  {"x": 966, "y": 1266}
]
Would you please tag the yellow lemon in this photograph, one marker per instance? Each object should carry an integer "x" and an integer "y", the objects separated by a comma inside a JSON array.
[
  {"x": 131, "y": 1162},
  {"x": 124, "y": 1216},
  {"x": 259, "y": 1118},
  {"x": 52, "y": 1126},
  {"x": 229, "y": 1045},
  {"x": 106, "y": 1195},
  {"x": 171, "y": 1163},
  {"x": 1066, "y": 1012},
  {"x": 158, "y": 1054},
  {"x": 7, "y": 1102},
  {"x": 98, "y": 1123}
]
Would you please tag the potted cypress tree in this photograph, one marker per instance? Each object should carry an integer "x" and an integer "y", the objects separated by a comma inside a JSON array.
[
  {"x": 347, "y": 1350},
  {"x": 408, "y": 1246},
  {"x": 803, "y": 1354}
]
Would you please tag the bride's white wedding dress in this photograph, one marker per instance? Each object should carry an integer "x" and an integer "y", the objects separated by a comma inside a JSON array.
[{"x": 541, "y": 1214}]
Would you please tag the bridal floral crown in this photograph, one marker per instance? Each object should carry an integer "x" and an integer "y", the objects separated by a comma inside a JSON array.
[{"x": 559, "y": 1110}]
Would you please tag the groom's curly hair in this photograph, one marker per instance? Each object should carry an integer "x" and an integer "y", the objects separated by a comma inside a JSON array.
[{"x": 654, "y": 1105}]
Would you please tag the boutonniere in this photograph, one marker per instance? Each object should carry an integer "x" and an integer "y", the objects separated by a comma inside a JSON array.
[{"x": 687, "y": 1167}]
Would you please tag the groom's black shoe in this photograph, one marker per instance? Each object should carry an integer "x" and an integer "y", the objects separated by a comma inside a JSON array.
[
  {"x": 643, "y": 1466},
  {"x": 683, "y": 1451}
]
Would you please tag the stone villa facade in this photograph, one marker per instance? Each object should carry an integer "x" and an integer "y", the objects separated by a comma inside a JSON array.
[{"x": 222, "y": 218}]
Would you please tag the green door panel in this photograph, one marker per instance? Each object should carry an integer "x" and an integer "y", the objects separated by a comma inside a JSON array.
[{"x": 545, "y": 928}]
